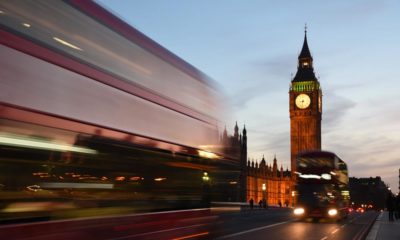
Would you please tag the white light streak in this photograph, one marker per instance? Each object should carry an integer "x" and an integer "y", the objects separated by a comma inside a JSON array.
[
  {"x": 334, "y": 231},
  {"x": 76, "y": 185},
  {"x": 326, "y": 176},
  {"x": 160, "y": 179},
  {"x": 207, "y": 154},
  {"x": 38, "y": 144},
  {"x": 67, "y": 43},
  {"x": 310, "y": 176}
]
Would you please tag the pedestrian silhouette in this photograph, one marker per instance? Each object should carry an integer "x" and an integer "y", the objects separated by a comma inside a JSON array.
[
  {"x": 264, "y": 203},
  {"x": 251, "y": 203},
  {"x": 390, "y": 205},
  {"x": 286, "y": 203},
  {"x": 397, "y": 207}
]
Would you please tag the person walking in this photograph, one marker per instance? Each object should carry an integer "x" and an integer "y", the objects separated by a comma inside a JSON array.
[
  {"x": 265, "y": 203},
  {"x": 251, "y": 203},
  {"x": 390, "y": 206},
  {"x": 286, "y": 203},
  {"x": 397, "y": 207}
]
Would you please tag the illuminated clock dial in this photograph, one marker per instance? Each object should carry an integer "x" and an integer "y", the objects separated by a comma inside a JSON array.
[{"x": 303, "y": 101}]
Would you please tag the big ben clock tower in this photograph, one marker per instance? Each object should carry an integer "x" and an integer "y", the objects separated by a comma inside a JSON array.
[{"x": 305, "y": 104}]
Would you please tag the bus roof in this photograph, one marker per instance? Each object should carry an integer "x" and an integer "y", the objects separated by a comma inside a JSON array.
[{"x": 316, "y": 154}]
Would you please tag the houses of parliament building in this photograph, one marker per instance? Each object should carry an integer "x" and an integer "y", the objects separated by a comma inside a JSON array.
[{"x": 261, "y": 180}]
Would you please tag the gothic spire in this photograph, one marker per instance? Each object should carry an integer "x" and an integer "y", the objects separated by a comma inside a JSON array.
[
  {"x": 236, "y": 132},
  {"x": 263, "y": 160},
  {"x": 275, "y": 165},
  {"x": 305, "y": 51},
  {"x": 305, "y": 69}
]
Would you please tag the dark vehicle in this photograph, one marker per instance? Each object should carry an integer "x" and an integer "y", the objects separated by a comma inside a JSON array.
[
  {"x": 322, "y": 186},
  {"x": 103, "y": 132}
]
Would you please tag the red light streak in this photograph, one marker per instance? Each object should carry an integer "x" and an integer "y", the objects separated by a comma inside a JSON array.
[{"x": 191, "y": 236}]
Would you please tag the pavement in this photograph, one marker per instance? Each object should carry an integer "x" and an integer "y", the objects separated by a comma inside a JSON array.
[{"x": 383, "y": 229}]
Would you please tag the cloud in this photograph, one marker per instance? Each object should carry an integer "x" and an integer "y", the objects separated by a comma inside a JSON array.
[
  {"x": 269, "y": 144},
  {"x": 276, "y": 65},
  {"x": 387, "y": 171},
  {"x": 366, "y": 9},
  {"x": 263, "y": 76},
  {"x": 336, "y": 110},
  {"x": 375, "y": 163},
  {"x": 245, "y": 94},
  {"x": 367, "y": 153}
]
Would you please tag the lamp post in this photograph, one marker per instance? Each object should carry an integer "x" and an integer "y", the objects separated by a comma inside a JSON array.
[
  {"x": 293, "y": 195},
  {"x": 264, "y": 191},
  {"x": 206, "y": 189}
]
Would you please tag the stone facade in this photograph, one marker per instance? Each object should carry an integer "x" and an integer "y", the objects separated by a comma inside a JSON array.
[
  {"x": 254, "y": 176},
  {"x": 269, "y": 182}
]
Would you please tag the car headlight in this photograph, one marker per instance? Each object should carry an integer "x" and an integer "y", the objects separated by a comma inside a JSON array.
[
  {"x": 332, "y": 212},
  {"x": 298, "y": 211}
]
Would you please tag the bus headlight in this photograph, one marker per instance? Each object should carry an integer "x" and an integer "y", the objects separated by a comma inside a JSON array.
[
  {"x": 332, "y": 212},
  {"x": 298, "y": 211}
]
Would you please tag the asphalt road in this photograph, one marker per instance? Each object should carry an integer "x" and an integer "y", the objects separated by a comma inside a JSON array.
[{"x": 278, "y": 224}]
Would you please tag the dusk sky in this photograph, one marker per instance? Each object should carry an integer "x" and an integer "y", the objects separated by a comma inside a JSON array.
[{"x": 251, "y": 47}]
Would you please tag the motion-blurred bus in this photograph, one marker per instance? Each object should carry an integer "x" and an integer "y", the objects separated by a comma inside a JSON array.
[
  {"x": 322, "y": 186},
  {"x": 103, "y": 132}
]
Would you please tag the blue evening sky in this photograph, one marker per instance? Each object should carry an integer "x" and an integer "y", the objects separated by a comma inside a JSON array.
[{"x": 251, "y": 47}]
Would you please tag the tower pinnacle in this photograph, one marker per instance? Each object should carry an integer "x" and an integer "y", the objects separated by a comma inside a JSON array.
[
  {"x": 305, "y": 69},
  {"x": 236, "y": 133},
  {"x": 305, "y": 51}
]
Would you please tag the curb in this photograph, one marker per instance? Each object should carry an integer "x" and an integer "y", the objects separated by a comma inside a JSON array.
[
  {"x": 373, "y": 233},
  {"x": 364, "y": 232}
]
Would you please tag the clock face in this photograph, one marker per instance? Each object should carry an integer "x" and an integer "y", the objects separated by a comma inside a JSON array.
[{"x": 303, "y": 101}]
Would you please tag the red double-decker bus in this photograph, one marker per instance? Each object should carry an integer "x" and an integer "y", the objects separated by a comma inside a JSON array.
[
  {"x": 103, "y": 132},
  {"x": 322, "y": 187}
]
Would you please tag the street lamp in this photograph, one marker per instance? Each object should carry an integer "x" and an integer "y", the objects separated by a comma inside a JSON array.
[
  {"x": 264, "y": 191},
  {"x": 293, "y": 195},
  {"x": 206, "y": 178},
  {"x": 206, "y": 198}
]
